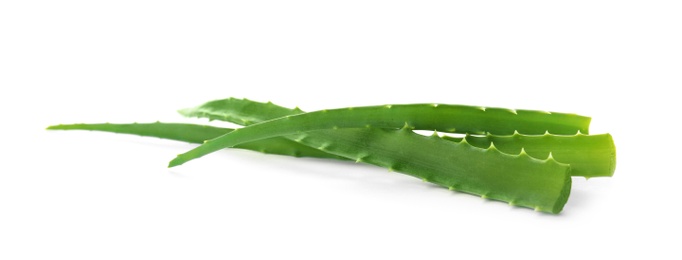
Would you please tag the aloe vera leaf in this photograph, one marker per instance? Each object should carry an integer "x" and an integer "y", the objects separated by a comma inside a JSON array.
[
  {"x": 588, "y": 155},
  {"x": 199, "y": 133},
  {"x": 517, "y": 179},
  {"x": 418, "y": 116},
  {"x": 520, "y": 180},
  {"x": 441, "y": 117}
]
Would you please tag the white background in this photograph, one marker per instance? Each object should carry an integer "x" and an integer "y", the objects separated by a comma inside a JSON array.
[{"x": 87, "y": 195}]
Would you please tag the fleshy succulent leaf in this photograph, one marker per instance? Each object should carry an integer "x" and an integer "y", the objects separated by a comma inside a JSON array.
[
  {"x": 199, "y": 133},
  {"x": 588, "y": 155}
]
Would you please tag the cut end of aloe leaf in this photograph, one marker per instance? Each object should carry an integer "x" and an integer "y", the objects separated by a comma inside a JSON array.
[
  {"x": 612, "y": 168},
  {"x": 565, "y": 193}
]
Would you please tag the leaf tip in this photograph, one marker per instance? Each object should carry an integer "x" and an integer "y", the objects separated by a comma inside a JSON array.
[
  {"x": 187, "y": 112},
  {"x": 178, "y": 160}
]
